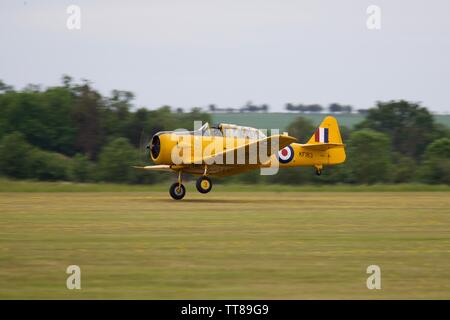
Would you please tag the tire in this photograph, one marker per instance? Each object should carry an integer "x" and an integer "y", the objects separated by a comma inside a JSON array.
[
  {"x": 204, "y": 184},
  {"x": 177, "y": 191}
]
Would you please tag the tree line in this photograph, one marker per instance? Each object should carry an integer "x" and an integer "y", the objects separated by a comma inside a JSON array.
[
  {"x": 71, "y": 132},
  {"x": 317, "y": 108},
  {"x": 248, "y": 107},
  {"x": 300, "y": 108}
]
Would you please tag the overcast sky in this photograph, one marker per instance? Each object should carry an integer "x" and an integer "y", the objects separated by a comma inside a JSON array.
[{"x": 227, "y": 52}]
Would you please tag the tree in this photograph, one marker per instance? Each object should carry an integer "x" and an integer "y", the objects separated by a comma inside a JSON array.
[
  {"x": 345, "y": 132},
  {"x": 404, "y": 168},
  {"x": 58, "y": 121},
  {"x": 410, "y": 126},
  {"x": 363, "y": 111},
  {"x": 5, "y": 88},
  {"x": 292, "y": 176},
  {"x": 212, "y": 108},
  {"x": 66, "y": 80},
  {"x": 45, "y": 165},
  {"x": 302, "y": 108},
  {"x": 115, "y": 114},
  {"x": 186, "y": 120},
  {"x": 24, "y": 112},
  {"x": 81, "y": 169},
  {"x": 42, "y": 117},
  {"x": 289, "y": 107},
  {"x": 314, "y": 108},
  {"x": 138, "y": 124},
  {"x": 14, "y": 155},
  {"x": 302, "y": 129},
  {"x": 335, "y": 107},
  {"x": 86, "y": 118},
  {"x": 116, "y": 160},
  {"x": 250, "y": 177},
  {"x": 19, "y": 159},
  {"x": 368, "y": 156},
  {"x": 436, "y": 165},
  {"x": 347, "y": 109}
]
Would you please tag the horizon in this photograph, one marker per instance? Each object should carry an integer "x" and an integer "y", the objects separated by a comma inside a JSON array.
[{"x": 236, "y": 109}]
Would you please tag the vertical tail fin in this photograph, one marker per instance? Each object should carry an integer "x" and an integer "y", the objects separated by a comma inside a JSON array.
[
  {"x": 327, "y": 138},
  {"x": 327, "y": 132}
]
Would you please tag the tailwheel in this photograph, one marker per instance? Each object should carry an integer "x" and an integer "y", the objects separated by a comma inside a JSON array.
[
  {"x": 318, "y": 169},
  {"x": 177, "y": 191},
  {"x": 204, "y": 184}
]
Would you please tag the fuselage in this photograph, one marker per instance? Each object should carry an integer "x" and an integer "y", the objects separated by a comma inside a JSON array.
[{"x": 192, "y": 148}]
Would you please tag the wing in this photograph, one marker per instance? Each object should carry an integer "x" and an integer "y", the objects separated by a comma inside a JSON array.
[
  {"x": 268, "y": 143},
  {"x": 229, "y": 170},
  {"x": 161, "y": 167}
]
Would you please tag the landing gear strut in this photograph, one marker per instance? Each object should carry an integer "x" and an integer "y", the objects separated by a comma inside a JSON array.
[
  {"x": 177, "y": 190},
  {"x": 318, "y": 170},
  {"x": 204, "y": 183}
]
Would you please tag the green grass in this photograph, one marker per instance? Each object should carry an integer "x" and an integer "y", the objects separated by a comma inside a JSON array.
[
  {"x": 7, "y": 185},
  {"x": 280, "y": 120},
  {"x": 252, "y": 245}
]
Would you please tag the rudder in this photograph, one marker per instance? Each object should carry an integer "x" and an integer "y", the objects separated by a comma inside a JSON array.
[{"x": 327, "y": 132}]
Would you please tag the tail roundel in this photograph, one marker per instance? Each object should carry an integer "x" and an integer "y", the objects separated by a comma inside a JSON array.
[{"x": 327, "y": 132}]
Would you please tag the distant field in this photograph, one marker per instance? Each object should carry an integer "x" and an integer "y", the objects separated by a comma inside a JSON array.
[
  {"x": 223, "y": 245},
  {"x": 280, "y": 120}
]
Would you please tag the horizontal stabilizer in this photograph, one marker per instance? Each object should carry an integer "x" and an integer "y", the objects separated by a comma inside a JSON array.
[{"x": 321, "y": 146}]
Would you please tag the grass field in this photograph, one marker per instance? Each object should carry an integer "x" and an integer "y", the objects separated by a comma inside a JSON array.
[
  {"x": 225, "y": 244},
  {"x": 280, "y": 120},
  {"x": 7, "y": 185}
]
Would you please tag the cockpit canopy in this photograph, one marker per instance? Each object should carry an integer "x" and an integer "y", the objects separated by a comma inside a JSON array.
[{"x": 231, "y": 130}]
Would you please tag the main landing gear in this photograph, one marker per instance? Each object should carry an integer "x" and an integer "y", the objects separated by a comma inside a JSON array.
[
  {"x": 178, "y": 191},
  {"x": 204, "y": 184}
]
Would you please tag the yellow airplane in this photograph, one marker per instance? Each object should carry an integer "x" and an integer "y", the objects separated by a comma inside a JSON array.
[{"x": 229, "y": 149}]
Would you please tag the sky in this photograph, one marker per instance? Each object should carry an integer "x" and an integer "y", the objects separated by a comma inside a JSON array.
[{"x": 228, "y": 52}]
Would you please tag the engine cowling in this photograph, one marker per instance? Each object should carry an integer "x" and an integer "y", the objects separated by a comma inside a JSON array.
[{"x": 161, "y": 147}]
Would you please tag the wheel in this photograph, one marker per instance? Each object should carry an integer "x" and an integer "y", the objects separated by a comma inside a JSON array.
[
  {"x": 318, "y": 172},
  {"x": 204, "y": 185},
  {"x": 177, "y": 191}
]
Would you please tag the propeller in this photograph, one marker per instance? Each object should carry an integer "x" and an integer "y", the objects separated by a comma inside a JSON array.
[{"x": 144, "y": 147}]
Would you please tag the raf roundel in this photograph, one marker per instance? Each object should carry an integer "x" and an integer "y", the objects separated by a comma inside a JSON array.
[{"x": 286, "y": 154}]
